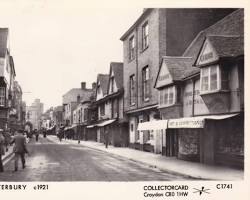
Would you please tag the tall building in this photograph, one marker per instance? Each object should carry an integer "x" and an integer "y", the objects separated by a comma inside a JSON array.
[
  {"x": 156, "y": 33},
  {"x": 34, "y": 113},
  {"x": 7, "y": 76},
  {"x": 201, "y": 96}
]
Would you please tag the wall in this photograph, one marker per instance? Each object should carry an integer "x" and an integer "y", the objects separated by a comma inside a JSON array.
[
  {"x": 149, "y": 56},
  {"x": 200, "y": 108},
  {"x": 234, "y": 87}
]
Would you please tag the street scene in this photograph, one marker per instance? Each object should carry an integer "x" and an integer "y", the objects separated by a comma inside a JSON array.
[
  {"x": 168, "y": 107},
  {"x": 69, "y": 162}
]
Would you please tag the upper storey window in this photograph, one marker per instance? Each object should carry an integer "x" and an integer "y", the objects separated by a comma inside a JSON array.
[
  {"x": 145, "y": 34},
  {"x": 131, "y": 48}
]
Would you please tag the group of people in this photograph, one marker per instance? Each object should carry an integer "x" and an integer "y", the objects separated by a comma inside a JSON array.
[{"x": 19, "y": 149}]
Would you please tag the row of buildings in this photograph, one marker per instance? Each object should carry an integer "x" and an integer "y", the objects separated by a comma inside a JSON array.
[
  {"x": 12, "y": 108},
  {"x": 178, "y": 92}
]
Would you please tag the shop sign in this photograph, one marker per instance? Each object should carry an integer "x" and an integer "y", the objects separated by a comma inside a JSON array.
[
  {"x": 186, "y": 123},
  {"x": 207, "y": 55}
]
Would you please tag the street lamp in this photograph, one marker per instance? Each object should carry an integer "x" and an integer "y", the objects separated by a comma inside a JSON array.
[{"x": 79, "y": 124}]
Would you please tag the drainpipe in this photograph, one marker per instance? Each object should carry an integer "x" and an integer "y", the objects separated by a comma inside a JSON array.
[
  {"x": 193, "y": 82},
  {"x": 137, "y": 70}
]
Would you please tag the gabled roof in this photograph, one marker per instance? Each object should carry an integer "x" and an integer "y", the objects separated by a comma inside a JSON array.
[
  {"x": 117, "y": 68},
  {"x": 232, "y": 24},
  {"x": 227, "y": 46},
  {"x": 179, "y": 67},
  {"x": 3, "y": 41},
  {"x": 103, "y": 79}
]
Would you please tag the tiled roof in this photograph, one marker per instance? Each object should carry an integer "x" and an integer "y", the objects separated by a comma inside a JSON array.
[
  {"x": 227, "y": 46},
  {"x": 104, "y": 79},
  {"x": 3, "y": 41},
  {"x": 179, "y": 67},
  {"x": 117, "y": 68},
  {"x": 232, "y": 24}
]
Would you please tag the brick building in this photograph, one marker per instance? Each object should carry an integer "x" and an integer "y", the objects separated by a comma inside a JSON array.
[
  {"x": 70, "y": 101},
  {"x": 201, "y": 96},
  {"x": 156, "y": 33}
]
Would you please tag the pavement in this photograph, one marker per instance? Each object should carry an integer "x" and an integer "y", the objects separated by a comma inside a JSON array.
[
  {"x": 168, "y": 164},
  {"x": 7, "y": 154}
]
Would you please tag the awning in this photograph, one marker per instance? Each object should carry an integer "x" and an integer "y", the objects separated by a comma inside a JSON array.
[
  {"x": 104, "y": 123},
  {"x": 91, "y": 126},
  {"x": 195, "y": 122},
  {"x": 153, "y": 125}
]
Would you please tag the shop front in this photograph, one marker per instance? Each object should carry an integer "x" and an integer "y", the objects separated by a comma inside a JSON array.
[{"x": 211, "y": 139}]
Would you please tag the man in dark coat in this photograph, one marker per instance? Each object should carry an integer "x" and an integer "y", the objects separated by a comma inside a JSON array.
[{"x": 20, "y": 148}]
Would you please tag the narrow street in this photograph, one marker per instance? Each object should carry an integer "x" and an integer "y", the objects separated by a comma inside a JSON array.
[{"x": 49, "y": 161}]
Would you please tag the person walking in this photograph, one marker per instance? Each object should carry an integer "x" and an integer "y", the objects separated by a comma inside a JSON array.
[
  {"x": 20, "y": 148},
  {"x": 36, "y": 134},
  {"x": 7, "y": 138},
  {"x": 106, "y": 137},
  {"x": 1, "y": 149}
]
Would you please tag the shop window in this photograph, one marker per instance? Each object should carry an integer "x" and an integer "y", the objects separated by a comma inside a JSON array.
[
  {"x": 132, "y": 48},
  {"x": 2, "y": 96},
  {"x": 132, "y": 89},
  {"x": 85, "y": 114},
  {"x": 145, "y": 83},
  {"x": 114, "y": 108},
  {"x": 167, "y": 96},
  {"x": 145, "y": 34},
  {"x": 230, "y": 142},
  {"x": 102, "y": 109}
]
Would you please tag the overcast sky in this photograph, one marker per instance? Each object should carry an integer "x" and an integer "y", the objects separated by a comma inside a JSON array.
[{"x": 58, "y": 44}]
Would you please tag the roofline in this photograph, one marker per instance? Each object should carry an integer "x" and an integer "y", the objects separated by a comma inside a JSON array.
[
  {"x": 203, "y": 31},
  {"x": 146, "y": 12}
]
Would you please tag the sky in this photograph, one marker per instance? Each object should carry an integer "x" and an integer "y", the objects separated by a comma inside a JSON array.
[{"x": 56, "y": 45}]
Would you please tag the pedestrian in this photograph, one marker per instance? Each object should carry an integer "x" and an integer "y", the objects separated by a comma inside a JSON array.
[
  {"x": 106, "y": 137},
  {"x": 36, "y": 134},
  {"x": 7, "y": 139},
  {"x": 1, "y": 149},
  {"x": 20, "y": 148}
]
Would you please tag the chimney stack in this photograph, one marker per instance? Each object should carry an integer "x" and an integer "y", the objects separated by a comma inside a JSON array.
[
  {"x": 83, "y": 85},
  {"x": 94, "y": 85}
]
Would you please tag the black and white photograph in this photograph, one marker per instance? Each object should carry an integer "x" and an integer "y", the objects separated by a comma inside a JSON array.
[{"x": 136, "y": 94}]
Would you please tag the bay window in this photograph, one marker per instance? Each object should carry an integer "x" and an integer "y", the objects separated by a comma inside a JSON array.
[
  {"x": 213, "y": 78},
  {"x": 167, "y": 96}
]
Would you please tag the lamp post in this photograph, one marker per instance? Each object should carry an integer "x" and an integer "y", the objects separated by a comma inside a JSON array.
[{"x": 79, "y": 124}]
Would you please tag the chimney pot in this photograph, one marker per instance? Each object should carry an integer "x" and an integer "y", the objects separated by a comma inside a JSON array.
[
  {"x": 83, "y": 85},
  {"x": 93, "y": 85}
]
